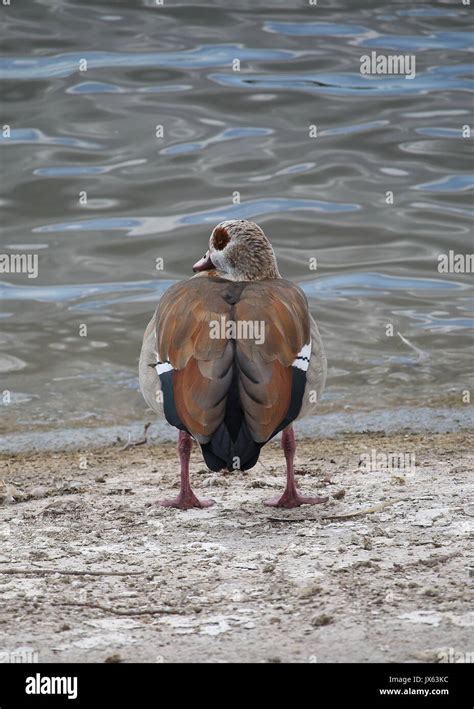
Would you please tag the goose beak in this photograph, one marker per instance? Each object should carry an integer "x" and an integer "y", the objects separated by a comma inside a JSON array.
[{"x": 204, "y": 264}]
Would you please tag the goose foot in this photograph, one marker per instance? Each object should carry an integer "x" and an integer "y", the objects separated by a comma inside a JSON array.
[
  {"x": 293, "y": 498},
  {"x": 186, "y": 501}
]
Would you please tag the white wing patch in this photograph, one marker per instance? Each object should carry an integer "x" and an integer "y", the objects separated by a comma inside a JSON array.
[
  {"x": 302, "y": 358},
  {"x": 161, "y": 367}
]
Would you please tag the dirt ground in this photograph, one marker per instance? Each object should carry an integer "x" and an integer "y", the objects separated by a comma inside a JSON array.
[{"x": 93, "y": 569}]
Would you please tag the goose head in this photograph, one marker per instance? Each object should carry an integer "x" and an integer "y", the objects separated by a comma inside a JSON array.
[{"x": 239, "y": 251}]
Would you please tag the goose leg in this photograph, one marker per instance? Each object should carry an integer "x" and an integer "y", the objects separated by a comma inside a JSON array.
[
  {"x": 186, "y": 498},
  {"x": 291, "y": 496}
]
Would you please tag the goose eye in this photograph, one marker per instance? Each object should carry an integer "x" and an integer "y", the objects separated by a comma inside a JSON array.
[{"x": 221, "y": 238}]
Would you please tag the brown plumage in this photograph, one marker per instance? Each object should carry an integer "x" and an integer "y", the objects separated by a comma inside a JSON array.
[
  {"x": 233, "y": 349},
  {"x": 204, "y": 366}
]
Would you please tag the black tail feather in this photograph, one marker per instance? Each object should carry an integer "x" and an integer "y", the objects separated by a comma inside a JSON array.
[{"x": 223, "y": 452}]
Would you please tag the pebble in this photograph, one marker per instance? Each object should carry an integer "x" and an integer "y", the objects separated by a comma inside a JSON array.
[
  {"x": 309, "y": 591},
  {"x": 39, "y": 492},
  {"x": 320, "y": 620},
  {"x": 113, "y": 658}
]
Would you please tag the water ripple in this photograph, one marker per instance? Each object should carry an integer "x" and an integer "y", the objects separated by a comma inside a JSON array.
[
  {"x": 153, "y": 225},
  {"x": 431, "y": 12},
  {"x": 228, "y": 134},
  {"x": 316, "y": 29},
  {"x": 102, "y": 87},
  {"x": 62, "y": 293},
  {"x": 32, "y": 135},
  {"x": 435, "y": 79},
  {"x": 451, "y": 183},
  {"x": 82, "y": 170},
  {"x": 369, "y": 283},
  {"x": 458, "y": 41},
  {"x": 203, "y": 57}
]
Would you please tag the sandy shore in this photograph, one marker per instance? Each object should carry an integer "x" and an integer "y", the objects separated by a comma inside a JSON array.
[{"x": 92, "y": 569}]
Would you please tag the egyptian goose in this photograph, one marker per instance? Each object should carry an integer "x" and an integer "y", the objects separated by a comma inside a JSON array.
[{"x": 232, "y": 357}]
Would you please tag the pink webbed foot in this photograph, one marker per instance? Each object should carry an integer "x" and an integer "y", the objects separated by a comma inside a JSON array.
[
  {"x": 186, "y": 501},
  {"x": 291, "y": 499}
]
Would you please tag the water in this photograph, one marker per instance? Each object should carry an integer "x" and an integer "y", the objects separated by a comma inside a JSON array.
[{"x": 228, "y": 132}]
